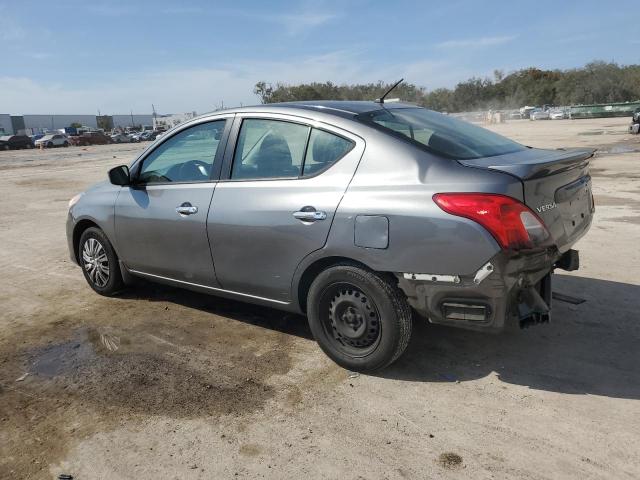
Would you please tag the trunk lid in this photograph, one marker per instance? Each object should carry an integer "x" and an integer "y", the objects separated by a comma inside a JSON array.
[{"x": 556, "y": 186}]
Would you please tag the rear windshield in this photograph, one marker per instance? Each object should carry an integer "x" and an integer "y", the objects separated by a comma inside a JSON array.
[{"x": 442, "y": 134}]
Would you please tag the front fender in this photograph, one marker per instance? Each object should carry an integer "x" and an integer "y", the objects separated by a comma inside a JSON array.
[{"x": 95, "y": 206}]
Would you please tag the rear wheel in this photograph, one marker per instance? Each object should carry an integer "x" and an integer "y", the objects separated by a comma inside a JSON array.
[
  {"x": 50, "y": 145},
  {"x": 99, "y": 262},
  {"x": 361, "y": 320}
]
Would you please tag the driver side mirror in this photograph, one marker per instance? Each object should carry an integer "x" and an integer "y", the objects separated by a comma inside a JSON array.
[{"x": 120, "y": 176}]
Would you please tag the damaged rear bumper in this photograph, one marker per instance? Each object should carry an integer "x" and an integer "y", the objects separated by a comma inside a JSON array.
[{"x": 510, "y": 289}]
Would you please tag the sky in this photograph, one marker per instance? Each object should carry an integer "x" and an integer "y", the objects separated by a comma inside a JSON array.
[{"x": 85, "y": 57}]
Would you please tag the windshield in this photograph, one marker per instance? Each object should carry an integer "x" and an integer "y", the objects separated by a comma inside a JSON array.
[{"x": 442, "y": 134}]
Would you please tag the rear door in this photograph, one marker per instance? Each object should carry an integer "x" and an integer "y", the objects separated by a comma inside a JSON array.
[
  {"x": 283, "y": 181},
  {"x": 160, "y": 220}
]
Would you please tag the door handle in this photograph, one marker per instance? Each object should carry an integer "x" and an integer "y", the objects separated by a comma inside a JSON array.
[
  {"x": 309, "y": 214},
  {"x": 186, "y": 209}
]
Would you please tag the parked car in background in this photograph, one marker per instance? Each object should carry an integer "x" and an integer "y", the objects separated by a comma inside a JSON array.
[
  {"x": 37, "y": 136},
  {"x": 539, "y": 115},
  {"x": 356, "y": 214},
  {"x": 121, "y": 138},
  {"x": 557, "y": 115},
  {"x": 526, "y": 111},
  {"x": 90, "y": 138},
  {"x": 141, "y": 136},
  {"x": 13, "y": 142},
  {"x": 53, "y": 140}
]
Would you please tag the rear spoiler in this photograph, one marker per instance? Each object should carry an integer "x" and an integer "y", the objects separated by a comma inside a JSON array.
[{"x": 534, "y": 163}]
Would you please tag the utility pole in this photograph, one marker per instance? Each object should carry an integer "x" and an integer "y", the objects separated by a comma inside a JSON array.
[
  {"x": 131, "y": 117},
  {"x": 153, "y": 109}
]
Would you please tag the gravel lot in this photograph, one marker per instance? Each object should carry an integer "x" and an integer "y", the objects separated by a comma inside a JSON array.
[{"x": 164, "y": 383}]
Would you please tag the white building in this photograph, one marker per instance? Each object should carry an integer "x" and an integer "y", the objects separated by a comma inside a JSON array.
[{"x": 165, "y": 122}]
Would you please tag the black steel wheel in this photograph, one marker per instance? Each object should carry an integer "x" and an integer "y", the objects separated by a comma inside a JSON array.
[
  {"x": 351, "y": 320},
  {"x": 360, "y": 319}
]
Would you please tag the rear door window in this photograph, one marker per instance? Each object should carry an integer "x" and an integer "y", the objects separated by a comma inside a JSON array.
[
  {"x": 269, "y": 149},
  {"x": 324, "y": 150},
  {"x": 278, "y": 149}
]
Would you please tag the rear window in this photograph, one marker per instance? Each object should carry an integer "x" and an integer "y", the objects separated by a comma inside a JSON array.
[{"x": 441, "y": 134}]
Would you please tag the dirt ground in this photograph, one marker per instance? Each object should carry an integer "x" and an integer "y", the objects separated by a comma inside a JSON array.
[{"x": 164, "y": 383}]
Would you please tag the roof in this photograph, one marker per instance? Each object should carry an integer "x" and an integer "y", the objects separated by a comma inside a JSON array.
[
  {"x": 329, "y": 109},
  {"x": 342, "y": 107}
]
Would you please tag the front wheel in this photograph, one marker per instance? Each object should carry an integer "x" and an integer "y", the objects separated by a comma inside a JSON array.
[
  {"x": 360, "y": 319},
  {"x": 99, "y": 262}
]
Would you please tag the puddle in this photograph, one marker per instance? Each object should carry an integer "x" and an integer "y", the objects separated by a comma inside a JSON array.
[
  {"x": 153, "y": 375},
  {"x": 98, "y": 368},
  {"x": 56, "y": 359}
]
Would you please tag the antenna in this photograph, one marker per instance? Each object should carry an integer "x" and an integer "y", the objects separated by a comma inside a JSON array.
[{"x": 381, "y": 99}]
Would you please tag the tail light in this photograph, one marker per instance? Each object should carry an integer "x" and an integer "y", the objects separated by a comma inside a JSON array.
[{"x": 514, "y": 225}]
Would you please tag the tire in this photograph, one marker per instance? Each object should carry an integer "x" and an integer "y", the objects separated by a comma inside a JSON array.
[
  {"x": 360, "y": 319},
  {"x": 95, "y": 253},
  {"x": 65, "y": 144},
  {"x": 30, "y": 145},
  {"x": 49, "y": 145}
]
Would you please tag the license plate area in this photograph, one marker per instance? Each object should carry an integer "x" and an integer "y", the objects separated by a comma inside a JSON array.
[{"x": 575, "y": 202}]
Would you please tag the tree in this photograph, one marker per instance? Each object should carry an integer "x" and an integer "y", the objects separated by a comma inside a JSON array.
[
  {"x": 264, "y": 91},
  {"x": 75, "y": 125},
  {"x": 596, "y": 82}
]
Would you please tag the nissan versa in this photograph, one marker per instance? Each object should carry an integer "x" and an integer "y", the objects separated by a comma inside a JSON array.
[{"x": 356, "y": 214}]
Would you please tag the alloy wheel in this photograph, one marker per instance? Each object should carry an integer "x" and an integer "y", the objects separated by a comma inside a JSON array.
[{"x": 95, "y": 262}]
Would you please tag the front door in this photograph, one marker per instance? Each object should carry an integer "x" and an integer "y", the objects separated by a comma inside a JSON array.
[
  {"x": 277, "y": 202},
  {"x": 160, "y": 221}
]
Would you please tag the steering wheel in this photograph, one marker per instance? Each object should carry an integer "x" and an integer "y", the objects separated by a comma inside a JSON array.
[{"x": 193, "y": 169}]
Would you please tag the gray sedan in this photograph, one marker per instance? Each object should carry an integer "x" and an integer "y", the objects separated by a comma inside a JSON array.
[{"x": 357, "y": 214}]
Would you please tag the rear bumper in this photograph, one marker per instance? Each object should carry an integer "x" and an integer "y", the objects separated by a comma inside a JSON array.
[{"x": 508, "y": 290}]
